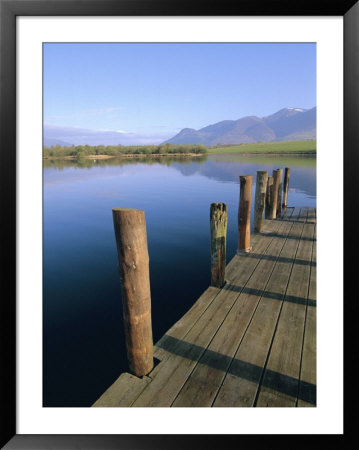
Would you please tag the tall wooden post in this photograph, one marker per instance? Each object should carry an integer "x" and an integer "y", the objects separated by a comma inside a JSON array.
[
  {"x": 260, "y": 200},
  {"x": 244, "y": 213},
  {"x": 269, "y": 197},
  {"x": 286, "y": 187},
  {"x": 280, "y": 189},
  {"x": 131, "y": 239},
  {"x": 273, "y": 205},
  {"x": 218, "y": 226}
]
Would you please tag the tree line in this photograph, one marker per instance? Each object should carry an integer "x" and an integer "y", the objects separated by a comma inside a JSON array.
[{"x": 79, "y": 151}]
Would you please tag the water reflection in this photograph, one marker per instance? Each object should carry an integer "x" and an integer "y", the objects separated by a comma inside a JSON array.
[
  {"x": 222, "y": 168},
  {"x": 227, "y": 168},
  {"x": 87, "y": 163}
]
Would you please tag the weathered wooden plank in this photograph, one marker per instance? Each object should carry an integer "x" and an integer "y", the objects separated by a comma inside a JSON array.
[
  {"x": 182, "y": 327},
  {"x": 173, "y": 372},
  {"x": 123, "y": 391},
  {"x": 271, "y": 229},
  {"x": 205, "y": 380},
  {"x": 308, "y": 372},
  {"x": 241, "y": 382},
  {"x": 312, "y": 215},
  {"x": 281, "y": 376}
]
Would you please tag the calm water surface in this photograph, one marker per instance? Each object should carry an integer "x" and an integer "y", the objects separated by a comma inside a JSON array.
[{"x": 83, "y": 337}]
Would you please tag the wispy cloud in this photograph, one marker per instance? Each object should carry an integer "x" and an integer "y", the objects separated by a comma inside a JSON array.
[
  {"x": 91, "y": 112},
  {"x": 63, "y": 117},
  {"x": 82, "y": 136}
]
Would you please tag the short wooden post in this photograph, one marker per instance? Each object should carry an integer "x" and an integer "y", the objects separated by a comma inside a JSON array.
[
  {"x": 244, "y": 213},
  {"x": 269, "y": 197},
  {"x": 260, "y": 200},
  {"x": 286, "y": 187},
  {"x": 131, "y": 239},
  {"x": 218, "y": 226},
  {"x": 280, "y": 189},
  {"x": 273, "y": 205}
]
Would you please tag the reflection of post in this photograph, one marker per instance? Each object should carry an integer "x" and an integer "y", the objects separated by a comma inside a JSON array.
[
  {"x": 269, "y": 197},
  {"x": 260, "y": 199},
  {"x": 273, "y": 206},
  {"x": 131, "y": 239},
  {"x": 280, "y": 189},
  {"x": 218, "y": 226},
  {"x": 244, "y": 213},
  {"x": 286, "y": 187}
]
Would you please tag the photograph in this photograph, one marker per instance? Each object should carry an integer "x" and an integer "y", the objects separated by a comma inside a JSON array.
[
  {"x": 179, "y": 224},
  {"x": 168, "y": 170}
]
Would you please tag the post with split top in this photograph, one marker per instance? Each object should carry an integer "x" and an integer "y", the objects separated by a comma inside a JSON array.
[
  {"x": 269, "y": 198},
  {"x": 218, "y": 228},
  {"x": 260, "y": 200}
]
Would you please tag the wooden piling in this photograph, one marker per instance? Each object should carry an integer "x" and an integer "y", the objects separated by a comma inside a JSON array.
[
  {"x": 280, "y": 189},
  {"x": 274, "y": 197},
  {"x": 131, "y": 240},
  {"x": 244, "y": 213},
  {"x": 218, "y": 228},
  {"x": 260, "y": 200},
  {"x": 286, "y": 187},
  {"x": 269, "y": 197}
]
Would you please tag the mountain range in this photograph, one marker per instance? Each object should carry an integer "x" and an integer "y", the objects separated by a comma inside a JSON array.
[{"x": 287, "y": 124}]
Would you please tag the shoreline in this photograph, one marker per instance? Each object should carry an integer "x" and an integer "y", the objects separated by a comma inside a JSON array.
[
  {"x": 304, "y": 152},
  {"x": 183, "y": 155},
  {"x": 126, "y": 156}
]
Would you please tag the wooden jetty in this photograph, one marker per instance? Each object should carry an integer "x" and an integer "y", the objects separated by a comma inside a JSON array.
[{"x": 249, "y": 343}]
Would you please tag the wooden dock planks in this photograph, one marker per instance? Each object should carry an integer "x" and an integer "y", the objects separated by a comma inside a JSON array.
[
  {"x": 308, "y": 381},
  {"x": 281, "y": 377},
  {"x": 242, "y": 380},
  {"x": 122, "y": 391},
  {"x": 206, "y": 379},
  {"x": 251, "y": 343},
  {"x": 182, "y": 327}
]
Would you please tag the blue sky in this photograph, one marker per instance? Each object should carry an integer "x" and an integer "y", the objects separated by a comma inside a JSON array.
[{"x": 146, "y": 93}]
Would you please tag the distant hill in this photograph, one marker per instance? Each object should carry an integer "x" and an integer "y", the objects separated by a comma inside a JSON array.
[
  {"x": 288, "y": 124},
  {"x": 49, "y": 142}
]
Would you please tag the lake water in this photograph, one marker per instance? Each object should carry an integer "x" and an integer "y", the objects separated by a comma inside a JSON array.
[{"x": 83, "y": 338}]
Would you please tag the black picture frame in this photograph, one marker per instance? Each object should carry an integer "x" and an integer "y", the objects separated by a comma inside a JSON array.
[{"x": 9, "y": 10}]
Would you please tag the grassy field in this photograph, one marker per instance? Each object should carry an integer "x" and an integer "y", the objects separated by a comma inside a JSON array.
[
  {"x": 285, "y": 160},
  {"x": 286, "y": 147}
]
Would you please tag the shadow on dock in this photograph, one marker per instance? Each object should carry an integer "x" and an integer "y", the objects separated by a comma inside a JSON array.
[
  {"x": 300, "y": 262},
  {"x": 272, "y": 295},
  {"x": 281, "y": 383}
]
